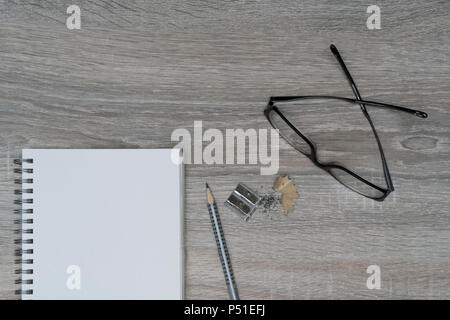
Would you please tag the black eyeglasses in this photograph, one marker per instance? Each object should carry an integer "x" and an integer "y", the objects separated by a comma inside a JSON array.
[{"x": 306, "y": 146}]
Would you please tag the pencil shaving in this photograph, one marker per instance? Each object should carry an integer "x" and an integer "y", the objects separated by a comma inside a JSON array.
[{"x": 288, "y": 190}]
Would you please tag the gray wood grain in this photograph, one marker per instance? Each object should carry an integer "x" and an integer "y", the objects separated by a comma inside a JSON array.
[{"x": 137, "y": 71}]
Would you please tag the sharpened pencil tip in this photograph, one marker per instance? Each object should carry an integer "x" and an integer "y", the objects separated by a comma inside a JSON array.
[
  {"x": 209, "y": 195},
  {"x": 207, "y": 186}
]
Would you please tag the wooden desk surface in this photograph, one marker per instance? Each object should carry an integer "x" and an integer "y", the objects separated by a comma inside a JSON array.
[{"x": 137, "y": 71}]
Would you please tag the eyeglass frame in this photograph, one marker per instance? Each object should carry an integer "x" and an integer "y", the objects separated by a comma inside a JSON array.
[{"x": 271, "y": 107}]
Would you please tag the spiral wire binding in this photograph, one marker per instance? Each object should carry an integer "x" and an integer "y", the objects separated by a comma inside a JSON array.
[{"x": 25, "y": 224}]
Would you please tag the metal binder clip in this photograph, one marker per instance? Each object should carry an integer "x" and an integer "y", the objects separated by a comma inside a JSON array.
[{"x": 243, "y": 201}]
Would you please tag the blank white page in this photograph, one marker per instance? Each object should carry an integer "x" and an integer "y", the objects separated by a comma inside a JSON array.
[{"x": 107, "y": 224}]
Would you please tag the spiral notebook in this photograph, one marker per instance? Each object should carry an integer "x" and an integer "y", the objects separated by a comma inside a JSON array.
[{"x": 101, "y": 224}]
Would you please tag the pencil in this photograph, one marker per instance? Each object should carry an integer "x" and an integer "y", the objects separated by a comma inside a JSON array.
[{"x": 221, "y": 245}]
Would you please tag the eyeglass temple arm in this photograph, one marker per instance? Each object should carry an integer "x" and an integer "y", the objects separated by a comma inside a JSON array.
[
  {"x": 352, "y": 83},
  {"x": 337, "y": 55},
  {"x": 417, "y": 113}
]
